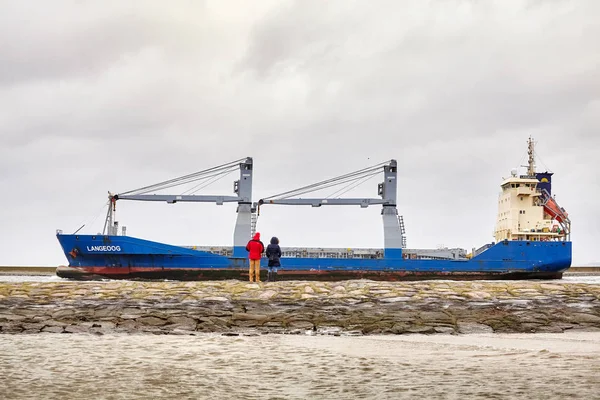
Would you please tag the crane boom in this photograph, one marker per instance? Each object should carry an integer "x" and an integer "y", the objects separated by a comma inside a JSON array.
[
  {"x": 386, "y": 189},
  {"x": 318, "y": 202},
  {"x": 172, "y": 199}
]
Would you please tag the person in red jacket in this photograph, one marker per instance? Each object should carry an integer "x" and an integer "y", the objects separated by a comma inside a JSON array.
[{"x": 255, "y": 249}]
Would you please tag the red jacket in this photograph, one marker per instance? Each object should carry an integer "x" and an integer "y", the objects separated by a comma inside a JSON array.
[{"x": 255, "y": 247}]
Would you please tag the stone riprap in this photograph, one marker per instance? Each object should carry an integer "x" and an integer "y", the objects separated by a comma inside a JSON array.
[{"x": 348, "y": 307}]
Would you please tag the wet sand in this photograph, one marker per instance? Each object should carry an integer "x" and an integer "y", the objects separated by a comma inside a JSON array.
[{"x": 121, "y": 366}]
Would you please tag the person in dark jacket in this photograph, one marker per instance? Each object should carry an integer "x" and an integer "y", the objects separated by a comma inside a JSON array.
[
  {"x": 255, "y": 248},
  {"x": 274, "y": 255}
]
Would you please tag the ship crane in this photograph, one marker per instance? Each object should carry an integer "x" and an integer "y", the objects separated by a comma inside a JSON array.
[
  {"x": 394, "y": 239},
  {"x": 242, "y": 188}
]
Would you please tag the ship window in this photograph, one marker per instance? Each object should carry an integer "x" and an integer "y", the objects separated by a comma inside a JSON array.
[{"x": 521, "y": 198}]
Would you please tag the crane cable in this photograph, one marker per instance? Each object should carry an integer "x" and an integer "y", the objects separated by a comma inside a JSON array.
[
  {"x": 204, "y": 174},
  {"x": 349, "y": 187},
  {"x": 203, "y": 184},
  {"x": 349, "y": 177},
  {"x": 201, "y": 178}
]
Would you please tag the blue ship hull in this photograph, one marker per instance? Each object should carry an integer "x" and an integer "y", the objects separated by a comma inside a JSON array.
[{"x": 124, "y": 257}]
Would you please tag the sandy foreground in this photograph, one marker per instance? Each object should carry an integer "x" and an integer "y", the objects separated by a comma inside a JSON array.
[{"x": 275, "y": 366}]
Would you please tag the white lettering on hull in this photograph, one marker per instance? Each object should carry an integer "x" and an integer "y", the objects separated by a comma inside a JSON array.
[{"x": 103, "y": 248}]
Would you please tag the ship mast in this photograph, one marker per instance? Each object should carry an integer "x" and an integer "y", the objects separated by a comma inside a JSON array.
[{"x": 531, "y": 153}]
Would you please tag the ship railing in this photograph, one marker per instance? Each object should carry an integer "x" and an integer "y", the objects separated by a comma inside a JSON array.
[
  {"x": 347, "y": 253},
  {"x": 482, "y": 249}
]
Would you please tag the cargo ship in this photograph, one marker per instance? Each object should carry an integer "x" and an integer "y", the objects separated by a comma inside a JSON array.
[{"x": 532, "y": 236}]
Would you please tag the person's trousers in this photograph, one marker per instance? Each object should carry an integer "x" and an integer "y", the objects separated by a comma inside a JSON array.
[{"x": 254, "y": 271}]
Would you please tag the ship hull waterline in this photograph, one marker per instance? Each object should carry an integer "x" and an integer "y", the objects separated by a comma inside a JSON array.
[
  {"x": 196, "y": 274},
  {"x": 124, "y": 257}
]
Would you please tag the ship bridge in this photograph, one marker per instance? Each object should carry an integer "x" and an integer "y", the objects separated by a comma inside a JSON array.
[{"x": 526, "y": 209}]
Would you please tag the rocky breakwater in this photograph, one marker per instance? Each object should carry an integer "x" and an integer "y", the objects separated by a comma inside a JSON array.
[{"x": 349, "y": 307}]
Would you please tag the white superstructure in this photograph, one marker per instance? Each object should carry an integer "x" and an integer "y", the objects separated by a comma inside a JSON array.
[{"x": 526, "y": 212}]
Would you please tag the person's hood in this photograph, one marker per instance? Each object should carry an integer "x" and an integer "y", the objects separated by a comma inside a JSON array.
[
  {"x": 256, "y": 236},
  {"x": 274, "y": 240}
]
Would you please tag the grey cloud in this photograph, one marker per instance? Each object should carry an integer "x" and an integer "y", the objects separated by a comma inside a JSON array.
[
  {"x": 113, "y": 96},
  {"x": 58, "y": 40}
]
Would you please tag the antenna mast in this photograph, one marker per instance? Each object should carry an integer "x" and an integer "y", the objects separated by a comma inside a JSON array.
[{"x": 531, "y": 153}]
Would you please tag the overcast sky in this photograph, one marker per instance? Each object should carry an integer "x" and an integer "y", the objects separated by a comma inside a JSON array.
[{"x": 115, "y": 95}]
